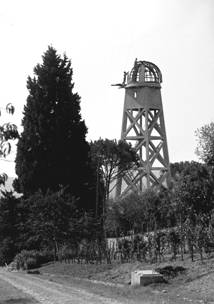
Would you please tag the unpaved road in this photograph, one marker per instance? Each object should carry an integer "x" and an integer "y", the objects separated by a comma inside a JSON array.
[{"x": 48, "y": 292}]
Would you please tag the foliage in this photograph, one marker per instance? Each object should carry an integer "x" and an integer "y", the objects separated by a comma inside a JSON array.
[
  {"x": 205, "y": 147},
  {"x": 175, "y": 220},
  {"x": 52, "y": 151},
  {"x": 8, "y": 132},
  {"x": 8, "y": 227},
  {"x": 45, "y": 223},
  {"x": 48, "y": 220},
  {"x": 192, "y": 200},
  {"x": 193, "y": 192},
  {"x": 125, "y": 215},
  {"x": 52, "y": 220},
  {"x": 177, "y": 168},
  {"x": 152, "y": 209},
  {"x": 85, "y": 226},
  {"x": 112, "y": 159},
  {"x": 138, "y": 213},
  {"x": 167, "y": 214},
  {"x": 174, "y": 241},
  {"x": 29, "y": 259}
]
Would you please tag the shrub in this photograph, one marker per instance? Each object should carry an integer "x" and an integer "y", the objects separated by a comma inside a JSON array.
[{"x": 29, "y": 259}]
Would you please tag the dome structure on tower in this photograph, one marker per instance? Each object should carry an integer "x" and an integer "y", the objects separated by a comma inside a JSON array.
[{"x": 144, "y": 73}]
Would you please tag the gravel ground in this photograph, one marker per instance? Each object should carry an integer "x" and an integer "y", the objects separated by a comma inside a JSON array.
[{"x": 10, "y": 294}]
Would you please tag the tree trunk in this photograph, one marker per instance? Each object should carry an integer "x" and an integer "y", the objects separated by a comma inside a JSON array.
[{"x": 182, "y": 238}]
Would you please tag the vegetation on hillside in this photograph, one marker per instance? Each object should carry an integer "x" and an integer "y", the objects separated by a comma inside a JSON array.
[{"x": 65, "y": 212}]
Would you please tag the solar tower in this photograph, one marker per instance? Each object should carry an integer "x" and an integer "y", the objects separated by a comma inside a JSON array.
[{"x": 143, "y": 126}]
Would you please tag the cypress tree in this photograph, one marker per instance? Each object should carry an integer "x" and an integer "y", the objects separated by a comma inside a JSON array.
[{"x": 52, "y": 151}]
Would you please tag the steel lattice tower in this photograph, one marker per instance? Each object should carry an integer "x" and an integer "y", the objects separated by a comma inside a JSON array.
[{"x": 143, "y": 126}]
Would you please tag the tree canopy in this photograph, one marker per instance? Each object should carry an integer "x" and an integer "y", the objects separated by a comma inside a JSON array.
[
  {"x": 112, "y": 159},
  {"x": 138, "y": 213},
  {"x": 193, "y": 191},
  {"x": 52, "y": 151},
  {"x": 205, "y": 147}
]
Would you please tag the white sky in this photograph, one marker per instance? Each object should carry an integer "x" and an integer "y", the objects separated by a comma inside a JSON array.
[{"x": 103, "y": 38}]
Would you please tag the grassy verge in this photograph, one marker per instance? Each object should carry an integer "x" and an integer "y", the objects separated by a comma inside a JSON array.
[{"x": 195, "y": 285}]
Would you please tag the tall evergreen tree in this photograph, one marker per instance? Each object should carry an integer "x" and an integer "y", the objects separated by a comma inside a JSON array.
[{"x": 52, "y": 151}]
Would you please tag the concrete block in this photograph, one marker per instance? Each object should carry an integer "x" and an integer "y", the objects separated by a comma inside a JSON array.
[{"x": 145, "y": 277}]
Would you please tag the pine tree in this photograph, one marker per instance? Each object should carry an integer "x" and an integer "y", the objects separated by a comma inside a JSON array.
[{"x": 52, "y": 151}]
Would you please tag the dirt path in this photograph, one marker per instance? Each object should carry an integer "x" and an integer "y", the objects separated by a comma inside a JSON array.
[
  {"x": 50, "y": 292},
  {"x": 10, "y": 294}
]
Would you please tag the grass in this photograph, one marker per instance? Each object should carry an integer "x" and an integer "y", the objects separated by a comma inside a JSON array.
[{"x": 195, "y": 284}]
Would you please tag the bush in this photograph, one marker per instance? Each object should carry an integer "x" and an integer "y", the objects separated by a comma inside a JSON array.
[
  {"x": 29, "y": 259},
  {"x": 170, "y": 271}
]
